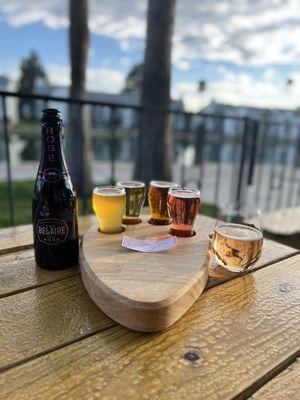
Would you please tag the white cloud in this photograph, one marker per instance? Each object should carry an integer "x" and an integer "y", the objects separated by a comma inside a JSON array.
[
  {"x": 53, "y": 13},
  {"x": 261, "y": 33},
  {"x": 125, "y": 61},
  {"x": 242, "y": 88},
  {"x": 105, "y": 80},
  {"x": 245, "y": 32},
  {"x": 97, "y": 79}
]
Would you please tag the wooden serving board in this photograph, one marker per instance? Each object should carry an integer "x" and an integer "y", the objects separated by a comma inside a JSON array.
[{"x": 146, "y": 292}]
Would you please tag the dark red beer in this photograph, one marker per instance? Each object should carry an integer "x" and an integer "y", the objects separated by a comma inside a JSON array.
[{"x": 183, "y": 207}]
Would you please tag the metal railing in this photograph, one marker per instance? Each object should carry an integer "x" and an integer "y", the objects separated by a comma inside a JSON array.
[{"x": 231, "y": 158}]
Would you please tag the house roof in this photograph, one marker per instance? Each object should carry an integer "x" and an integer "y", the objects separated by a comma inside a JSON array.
[
  {"x": 130, "y": 98},
  {"x": 245, "y": 109}
]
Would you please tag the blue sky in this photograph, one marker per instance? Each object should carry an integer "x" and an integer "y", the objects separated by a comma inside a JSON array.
[{"x": 244, "y": 49}]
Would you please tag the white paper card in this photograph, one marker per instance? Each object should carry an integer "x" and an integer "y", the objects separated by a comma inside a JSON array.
[{"x": 149, "y": 245}]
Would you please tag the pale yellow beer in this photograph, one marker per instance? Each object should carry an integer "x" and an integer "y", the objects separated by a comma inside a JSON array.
[{"x": 109, "y": 205}]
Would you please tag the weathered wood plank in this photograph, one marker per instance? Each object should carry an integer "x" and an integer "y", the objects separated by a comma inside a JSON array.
[
  {"x": 145, "y": 292},
  {"x": 37, "y": 320},
  {"x": 286, "y": 386},
  {"x": 230, "y": 339},
  {"x": 283, "y": 226},
  {"x": 18, "y": 272},
  {"x": 13, "y": 239},
  {"x": 284, "y": 222},
  {"x": 20, "y": 237}
]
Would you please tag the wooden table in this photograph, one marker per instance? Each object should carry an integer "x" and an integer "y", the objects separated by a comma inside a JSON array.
[
  {"x": 283, "y": 226},
  {"x": 241, "y": 337}
]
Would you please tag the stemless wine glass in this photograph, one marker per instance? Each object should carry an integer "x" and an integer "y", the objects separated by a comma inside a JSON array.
[{"x": 237, "y": 238}]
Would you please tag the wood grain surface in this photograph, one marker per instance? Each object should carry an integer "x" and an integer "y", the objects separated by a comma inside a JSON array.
[
  {"x": 283, "y": 222},
  {"x": 147, "y": 292},
  {"x": 272, "y": 251},
  {"x": 39, "y": 320},
  {"x": 232, "y": 337},
  {"x": 21, "y": 238},
  {"x": 286, "y": 386},
  {"x": 13, "y": 239},
  {"x": 18, "y": 272}
]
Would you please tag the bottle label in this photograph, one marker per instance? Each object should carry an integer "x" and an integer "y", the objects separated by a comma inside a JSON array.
[
  {"x": 52, "y": 231},
  {"x": 53, "y": 175},
  {"x": 50, "y": 139}
]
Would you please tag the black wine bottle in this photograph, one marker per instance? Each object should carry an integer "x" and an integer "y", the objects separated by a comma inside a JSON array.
[{"x": 54, "y": 205}]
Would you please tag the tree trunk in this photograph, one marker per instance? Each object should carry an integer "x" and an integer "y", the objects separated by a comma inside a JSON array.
[
  {"x": 154, "y": 151},
  {"x": 78, "y": 147}
]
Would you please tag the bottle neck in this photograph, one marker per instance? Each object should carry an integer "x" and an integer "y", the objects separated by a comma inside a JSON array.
[
  {"x": 52, "y": 167},
  {"x": 52, "y": 157}
]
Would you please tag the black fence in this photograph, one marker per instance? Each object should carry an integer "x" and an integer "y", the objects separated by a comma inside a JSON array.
[{"x": 231, "y": 159}]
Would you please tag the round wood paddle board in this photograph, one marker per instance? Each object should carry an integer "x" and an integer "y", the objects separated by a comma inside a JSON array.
[{"x": 146, "y": 292}]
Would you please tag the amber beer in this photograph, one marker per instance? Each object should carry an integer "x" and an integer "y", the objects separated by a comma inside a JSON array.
[
  {"x": 237, "y": 246},
  {"x": 109, "y": 205},
  {"x": 183, "y": 206},
  {"x": 54, "y": 204},
  {"x": 135, "y": 197},
  {"x": 157, "y": 198}
]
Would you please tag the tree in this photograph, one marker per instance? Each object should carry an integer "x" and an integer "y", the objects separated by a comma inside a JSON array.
[
  {"x": 133, "y": 81},
  {"x": 32, "y": 73},
  {"x": 154, "y": 153},
  {"x": 78, "y": 141},
  {"x": 202, "y": 87}
]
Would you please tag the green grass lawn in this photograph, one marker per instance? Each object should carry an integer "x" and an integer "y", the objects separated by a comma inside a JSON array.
[{"x": 22, "y": 204}]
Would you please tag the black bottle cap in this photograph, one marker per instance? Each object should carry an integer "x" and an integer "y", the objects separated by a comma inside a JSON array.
[{"x": 51, "y": 113}]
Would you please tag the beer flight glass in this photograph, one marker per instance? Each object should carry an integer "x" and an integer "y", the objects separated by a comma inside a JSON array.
[
  {"x": 237, "y": 239},
  {"x": 135, "y": 197},
  {"x": 169, "y": 204},
  {"x": 157, "y": 198},
  {"x": 183, "y": 206},
  {"x": 109, "y": 205}
]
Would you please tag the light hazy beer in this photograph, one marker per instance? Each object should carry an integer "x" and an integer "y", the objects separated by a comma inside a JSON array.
[
  {"x": 237, "y": 246},
  {"x": 157, "y": 197},
  {"x": 135, "y": 197},
  {"x": 183, "y": 206},
  {"x": 109, "y": 205}
]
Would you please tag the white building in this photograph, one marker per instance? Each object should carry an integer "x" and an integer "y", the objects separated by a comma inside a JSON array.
[
  {"x": 99, "y": 115},
  {"x": 263, "y": 114},
  {"x": 127, "y": 117}
]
